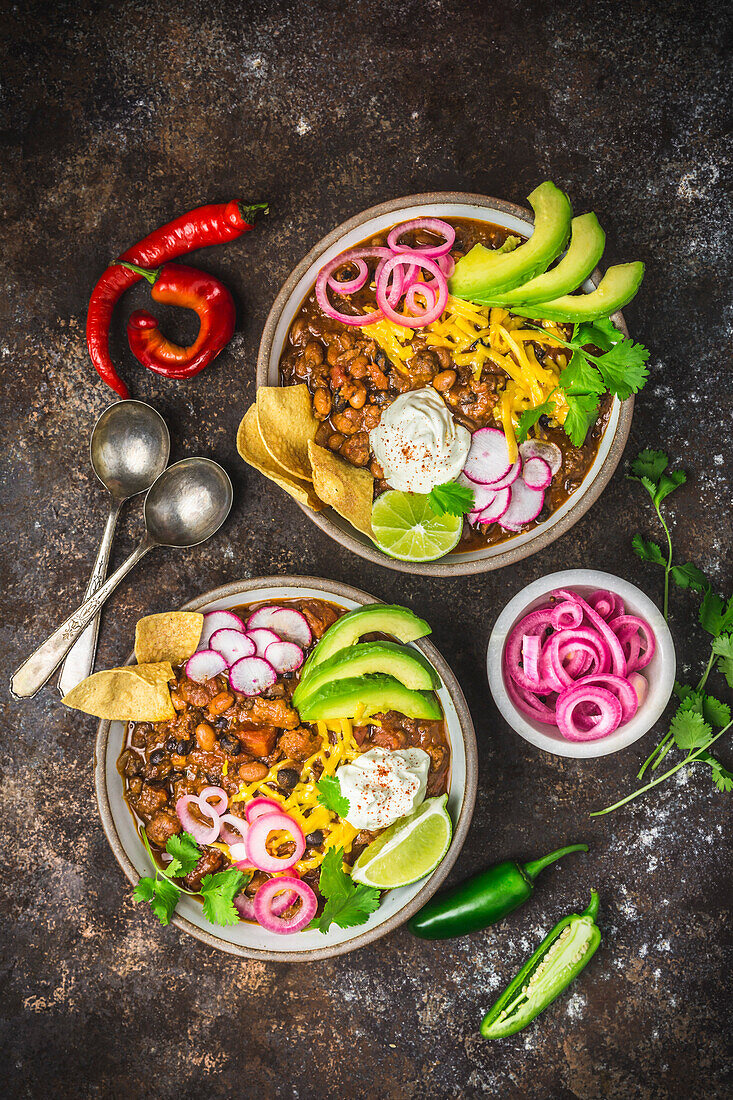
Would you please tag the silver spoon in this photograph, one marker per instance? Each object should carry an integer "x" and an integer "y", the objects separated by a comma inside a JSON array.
[
  {"x": 184, "y": 507},
  {"x": 129, "y": 448}
]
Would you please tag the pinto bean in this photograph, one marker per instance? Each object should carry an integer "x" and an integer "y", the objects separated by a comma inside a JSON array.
[
  {"x": 335, "y": 441},
  {"x": 358, "y": 368},
  {"x": 347, "y": 422},
  {"x": 444, "y": 380},
  {"x": 221, "y": 702},
  {"x": 252, "y": 771},
  {"x": 313, "y": 353},
  {"x": 358, "y": 397},
  {"x": 322, "y": 402},
  {"x": 205, "y": 736},
  {"x": 444, "y": 357},
  {"x": 356, "y": 449}
]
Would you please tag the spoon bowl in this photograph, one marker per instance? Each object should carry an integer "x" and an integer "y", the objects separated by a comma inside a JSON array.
[
  {"x": 188, "y": 503},
  {"x": 129, "y": 448}
]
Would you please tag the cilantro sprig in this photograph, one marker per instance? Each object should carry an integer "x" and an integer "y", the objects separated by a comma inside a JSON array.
[
  {"x": 347, "y": 904},
  {"x": 218, "y": 891},
  {"x": 620, "y": 370},
  {"x": 451, "y": 498},
  {"x": 329, "y": 795},
  {"x": 700, "y": 718}
]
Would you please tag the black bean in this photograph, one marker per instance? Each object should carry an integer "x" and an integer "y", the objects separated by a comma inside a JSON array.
[
  {"x": 315, "y": 839},
  {"x": 544, "y": 421},
  {"x": 184, "y": 747},
  {"x": 170, "y": 745},
  {"x": 232, "y": 746},
  {"x": 288, "y": 777},
  {"x": 221, "y": 723},
  {"x": 157, "y": 756}
]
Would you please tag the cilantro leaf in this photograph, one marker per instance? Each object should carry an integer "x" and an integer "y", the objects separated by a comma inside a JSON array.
[
  {"x": 186, "y": 854},
  {"x": 529, "y": 418},
  {"x": 722, "y": 778},
  {"x": 623, "y": 368},
  {"x": 714, "y": 712},
  {"x": 329, "y": 795},
  {"x": 649, "y": 464},
  {"x": 689, "y": 729},
  {"x": 145, "y": 889},
  {"x": 689, "y": 576},
  {"x": 601, "y": 334},
  {"x": 667, "y": 484},
  {"x": 452, "y": 498},
  {"x": 347, "y": 904},
  {"x": 580, "y": 376},
  {"x": 582, "y": 411},
  {"x": 647, "y": 550},
  {"x": 218, "y": 892},
  {"x": 716, "y": 616},
  {"x": 723, "y": 650},
  {"x": 165, "y": 899}
]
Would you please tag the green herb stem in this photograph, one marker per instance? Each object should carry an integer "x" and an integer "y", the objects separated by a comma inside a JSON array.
[{"x": 689, "y": 759}]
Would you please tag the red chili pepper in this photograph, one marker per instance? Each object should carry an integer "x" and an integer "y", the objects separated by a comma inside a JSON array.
[
  {"x": 179, "y": 285},
  {"x": 198, "y": 228}
]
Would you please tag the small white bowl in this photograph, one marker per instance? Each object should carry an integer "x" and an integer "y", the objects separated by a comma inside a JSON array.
[{"x": 660, "y": 672}]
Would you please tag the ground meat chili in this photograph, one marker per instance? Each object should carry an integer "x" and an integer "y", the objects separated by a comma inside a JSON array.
[
  {"x": 222, "y": 738},
  {"x": 351, "y": 379}
]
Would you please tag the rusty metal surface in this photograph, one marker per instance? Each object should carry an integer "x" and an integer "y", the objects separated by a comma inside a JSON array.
[{"x": 114, "y": 118}]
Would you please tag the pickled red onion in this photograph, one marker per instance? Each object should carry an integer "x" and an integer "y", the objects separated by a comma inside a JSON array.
[
  {"x": 222, "y": 797},
  {"x": 201, "y": 833},
  {"x": 259, "y": 806},
  {"x": 257, "y": 836},
  {"x": 432, "y": 225},
  {"x": 350, "y": 286},
  {"x": 263, "y": 905},
  {"x": 606, "y": 703},
  {"x": 333, "y": 265},
  {"x": 383, "y": 301},
  {"x": 233, "y": 830}
]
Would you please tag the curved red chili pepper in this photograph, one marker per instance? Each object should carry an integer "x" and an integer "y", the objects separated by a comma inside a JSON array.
[
  {"x": 213, "y": 224},
  {"x": 179, "y": 285}
]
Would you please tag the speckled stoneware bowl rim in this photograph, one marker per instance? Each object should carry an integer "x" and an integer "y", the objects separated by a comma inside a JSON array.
[
  {"x": 546, "y": 534},
  {"x": 335, "y": 590}
]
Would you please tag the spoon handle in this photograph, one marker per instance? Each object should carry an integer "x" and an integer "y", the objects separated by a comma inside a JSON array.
[
  {"x": 79, "y": 661},
  {"x": 33, "y": 673}
]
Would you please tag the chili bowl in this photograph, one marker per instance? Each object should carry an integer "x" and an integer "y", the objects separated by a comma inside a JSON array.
[
  {"x": 660, "y": 672},
  {"x": 249, "y": 940},
  {"x": 376, "y": 219}
]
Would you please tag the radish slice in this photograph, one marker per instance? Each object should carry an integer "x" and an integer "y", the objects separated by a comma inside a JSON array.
[
  {"x": 264, "y": 909},
  {"x": 262, "y": 637},
  {"x": 488, "y": 459},
  {"x": 260, "y": 806},
  {"x": 526, "y": 505},
  {"x": 537, "y": 473},
  {"x": 497, "y": 508},
  {"x": 508, "y": 478},
  {"x": 232, "y": 644},
  {"x": 205, "y": 665},
  {"x": 284, "y": 656},
  {"x": 263, "y": 617},
  {"x": 538, "y": 448},
  {"x": 251, "y": 675},
  {"x": 291, "y": 626},
  {"x": 218, "y": 620}
]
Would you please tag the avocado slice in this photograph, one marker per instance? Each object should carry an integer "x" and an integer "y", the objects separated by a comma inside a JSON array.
[
  {"x": 368, "y": 695},
  {"x": 406, "y": 665},
  {"x": 375, "y": 618},
  {"x": 587, "y": 241},
  {"x": 485, "y": 273},
  {"x": 617, "y": 287}
]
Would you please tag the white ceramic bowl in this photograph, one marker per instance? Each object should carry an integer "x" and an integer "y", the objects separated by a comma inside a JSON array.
[
  {"x": 660, "y": 672},
  {"x": 250, "y": 940},
  {"x": 441, "y": 205}
]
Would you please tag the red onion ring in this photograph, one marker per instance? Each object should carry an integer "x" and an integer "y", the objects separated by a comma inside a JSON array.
[
  {"x": 618, "y": 661},
  {"x": 245, "y": 907},
  {"x": 263, "y": 907},
  {"x": 629, "y": 626},
  {"x": 404, "y": 259},
  {"x": 531, "y": 646},
  {"x": 618, "y": 686},
  {"x": 606, "y": 603},
  {"x": 200, "y": 833},
  {"x": 257, "y": 836},
  {"x": 446, "y": 264},
  {"x": 429, "y": 294},
  {"x": 229, "y": 823},
  {"x": 432, "y": 225},
  {"x": 333, "y": 265},
  {"x": 606, "y": 703},
  {"x": 221, "y": 795},
  {"x": 528, "y": 703},
  {"x": 552, "y": 664},
  {"x": 350, "y": 286},
  {"x": 640, "y": 684},
  {"x": 259, "y": 806}
]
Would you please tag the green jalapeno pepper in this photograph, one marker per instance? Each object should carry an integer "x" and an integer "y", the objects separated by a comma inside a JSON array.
[
  {"x": 559, "y": 958},
  {"x": 484, "y": 899}
]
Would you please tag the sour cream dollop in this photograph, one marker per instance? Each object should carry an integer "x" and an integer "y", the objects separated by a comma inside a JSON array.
[
  {"x": 417, "y": 442},
  {"x": 383, "y": 786}
]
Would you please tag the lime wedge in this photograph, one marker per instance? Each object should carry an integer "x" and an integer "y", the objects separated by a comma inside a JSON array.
[
  {"x": 405, "y": 527},
  {"x": 408, "y": 850}
]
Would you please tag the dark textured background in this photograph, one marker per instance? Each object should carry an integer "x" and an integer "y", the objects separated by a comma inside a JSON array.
[{"x": 115, "y": 117}]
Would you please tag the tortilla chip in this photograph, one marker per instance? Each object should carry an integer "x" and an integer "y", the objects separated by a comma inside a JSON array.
[
  {"x": 287, "y": 426},
  {"x": 138, "y": 693},
  {"x": 171, "y": 636},
  {"x": 348, "y": 489},
  {"x": 254, "y": 452}
]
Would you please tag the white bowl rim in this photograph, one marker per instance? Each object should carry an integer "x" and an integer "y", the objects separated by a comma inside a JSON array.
[
  {"x": 659, "y": 692},
  {"x": 521, "y": 546},
  {"x": 336, "y": 590}
]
